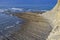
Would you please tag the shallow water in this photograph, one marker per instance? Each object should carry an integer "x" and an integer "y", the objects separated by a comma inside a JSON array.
[{"x": 9, "y": 25}]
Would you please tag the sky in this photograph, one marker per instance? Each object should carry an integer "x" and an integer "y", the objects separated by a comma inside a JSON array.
[{"x": 31, "y": 4}]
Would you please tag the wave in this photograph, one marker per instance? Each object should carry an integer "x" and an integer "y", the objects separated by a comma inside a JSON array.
[{"x": 17, "y": 10}]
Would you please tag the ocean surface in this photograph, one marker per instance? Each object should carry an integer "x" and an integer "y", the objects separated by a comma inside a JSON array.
[{"x": 28, "y": 4}]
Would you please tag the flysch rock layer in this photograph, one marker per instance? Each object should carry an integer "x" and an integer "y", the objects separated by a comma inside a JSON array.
[{"x": 39, "y": 26}]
